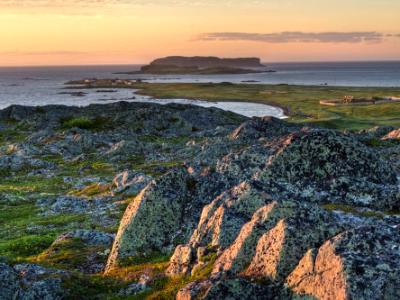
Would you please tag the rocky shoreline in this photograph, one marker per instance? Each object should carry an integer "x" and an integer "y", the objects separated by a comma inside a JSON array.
[{"x": 156, "y": 202}]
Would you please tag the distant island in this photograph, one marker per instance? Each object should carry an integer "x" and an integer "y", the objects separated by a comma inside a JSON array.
[{"x": 201, "y": 65}]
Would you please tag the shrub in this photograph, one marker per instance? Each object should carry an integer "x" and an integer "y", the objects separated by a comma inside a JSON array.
[{"x": 96, "y": 123}]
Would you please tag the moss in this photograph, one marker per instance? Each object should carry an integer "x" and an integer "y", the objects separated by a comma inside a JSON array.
[
  {"x": 134, "y": 272},
  {"x": 354, "y": 211},
  {"x": 69, "y": 254},
  {"x": 11, "y": 135},
  {"x": 175, "y": 140},
  {"x": 151, "y": 258},
  {"x": 82, "y": 287},
  {"x": 374, "y": 142},
  {"x": 26, "y": 246},
  {"x": 97, "y": 123},
  {"x": 95, "y": 189}
]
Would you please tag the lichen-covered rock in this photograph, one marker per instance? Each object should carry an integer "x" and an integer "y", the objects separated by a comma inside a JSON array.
[
  {"x": 181, "y": 260},
  {"x": 265, "y": 127},
  {"x": 194, "y": 290},
  {"x": 374, "y": 133},
  {"x": 40, "y": 283},
  {"x": 90, "y": 237},
  {"x": 18, "y": 157},
  {"x": 362, "y": 263},
  {"x": 243, "y": 164},
  {"x": 235, "y": 288},
  {"x": 9, "y": 282},
  {"x": 222, "y": 219},
  {"x": 155, "y": 220},
  {"x": 102, "y": 210},
  {"x": 130, "y": 183},
  {"x": 276, "y": 237},
  {"x": 219, "y": 224},
  {"x": 326, "y": 166}
]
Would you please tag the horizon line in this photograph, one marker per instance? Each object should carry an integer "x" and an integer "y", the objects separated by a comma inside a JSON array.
[{"x": 141, "y": 64}]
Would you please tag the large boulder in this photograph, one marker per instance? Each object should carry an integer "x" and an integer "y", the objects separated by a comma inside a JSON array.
[
  {"x": 154, "y": 221},
  {"x": 325, "y": 166},
  {"x": 30, "y": 282},
  {"x": 38, "y": 282},
  {"x": 362, "y": 263}
]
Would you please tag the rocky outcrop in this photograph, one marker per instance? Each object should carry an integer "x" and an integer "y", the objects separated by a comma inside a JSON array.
[
  {"x": 393, "y": 135},
  {"x": 362, "y": 263},
  {"x": 272, "y": 242},
  {"x": 155, "y": 220},
  {"x": 9, "y": 285},
  {"x": 130, "y": 183},
  {"x": 219, "y": 224},
  {"x": 265, "y": 128},
  {"x": 325, "y": 166},
  {"x": 90, "y": 237},
  {"x": 29, "y": 281},
  {"x": 239, "y": 288},
  {"x": 102, "y": 210},
  {"x": 263, "y": 209}
]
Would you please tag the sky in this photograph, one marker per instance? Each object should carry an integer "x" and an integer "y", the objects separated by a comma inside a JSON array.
[{"x": 74, "y": 32}]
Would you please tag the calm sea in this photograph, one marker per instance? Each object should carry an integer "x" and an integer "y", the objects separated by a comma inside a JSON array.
[{"x": 44, "y": 85}]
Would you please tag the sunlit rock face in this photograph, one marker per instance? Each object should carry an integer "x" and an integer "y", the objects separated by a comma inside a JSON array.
[
  {"x": 270, "y": 244},
  {"x": 362, "y": 263}
]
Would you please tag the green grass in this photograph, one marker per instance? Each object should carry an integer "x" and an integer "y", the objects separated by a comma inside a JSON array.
[
  {"x": 11, "y": 135},
  {"x": 17, "y": 238},
  {"x": 96, "y": 189},
  {"x": 69, "y": 254},
  {"x": 301, "y": 103},
  {"x": 96, "y": 123}
]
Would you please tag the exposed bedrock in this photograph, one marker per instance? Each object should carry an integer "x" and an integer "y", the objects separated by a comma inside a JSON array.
[
  {"x": 362, "y": 263},
  {"x": 276, "y": 237}
]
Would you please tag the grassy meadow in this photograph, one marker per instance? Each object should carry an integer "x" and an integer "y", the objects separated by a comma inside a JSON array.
[{"x": 301, "y": 103}]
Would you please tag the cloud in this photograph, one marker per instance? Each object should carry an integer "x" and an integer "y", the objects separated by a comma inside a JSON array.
[
  {"x": 42, "y": 53},
  {"x": 296, "y": 37},
  {"x": 88, "y": 7},
  {"x": 95, "y": 3}
]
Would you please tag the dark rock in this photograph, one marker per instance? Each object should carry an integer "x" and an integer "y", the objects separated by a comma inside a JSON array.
[
  {"x": 9, "y": 282},
  {"x": 265, "y": 127}
]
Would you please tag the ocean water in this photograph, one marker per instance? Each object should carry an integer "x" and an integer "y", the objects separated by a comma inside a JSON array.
[{"x": 45, "y": 85}]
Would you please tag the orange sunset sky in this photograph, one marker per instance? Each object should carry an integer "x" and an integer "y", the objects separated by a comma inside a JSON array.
[{"x": 70, "y": 32}]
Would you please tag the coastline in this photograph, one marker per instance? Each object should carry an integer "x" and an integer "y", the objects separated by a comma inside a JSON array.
[{"x": 301, "y": 104}]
